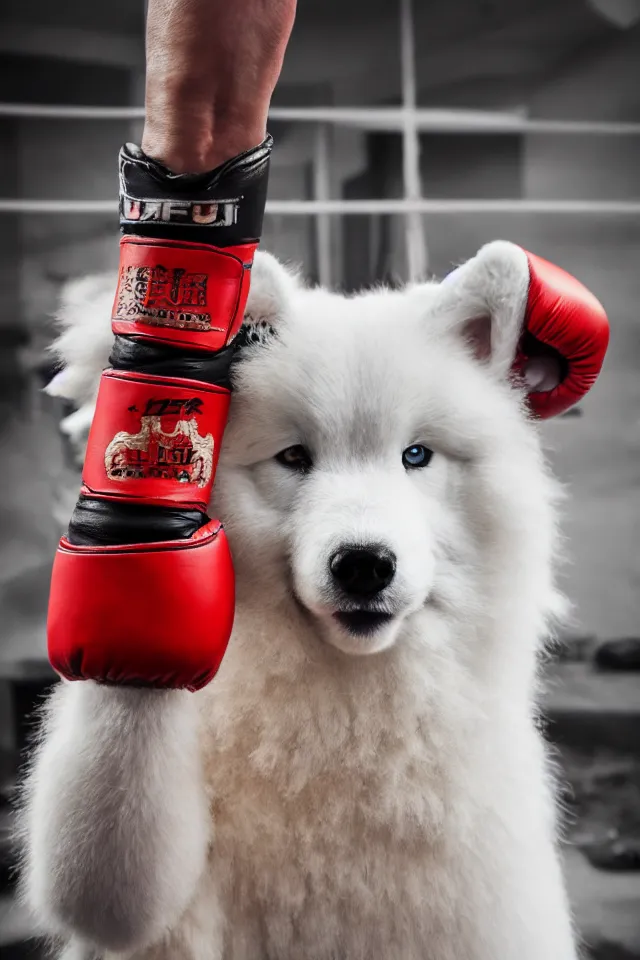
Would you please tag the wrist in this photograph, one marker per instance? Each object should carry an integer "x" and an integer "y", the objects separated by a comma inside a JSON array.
[
  {"x": 188, "y": 136},
  {"x": 192, "y": 149}
]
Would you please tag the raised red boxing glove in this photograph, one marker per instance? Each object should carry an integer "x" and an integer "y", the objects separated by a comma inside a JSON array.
[
  {"x": 562, "y": 315},
  {"x": 142, "y": 589}
]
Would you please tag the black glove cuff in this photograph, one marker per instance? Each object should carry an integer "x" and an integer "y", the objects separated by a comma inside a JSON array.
[
  {"x": 146, "y": 356},
  {"x": 104, "y": 523},
  {"x": 223, "y": 207}
]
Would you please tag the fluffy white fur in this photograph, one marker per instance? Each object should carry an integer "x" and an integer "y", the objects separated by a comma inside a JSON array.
[{"x": 332, "y": 796}]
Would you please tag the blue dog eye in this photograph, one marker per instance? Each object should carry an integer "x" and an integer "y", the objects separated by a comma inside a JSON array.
[{"x": 416, "y": 456}]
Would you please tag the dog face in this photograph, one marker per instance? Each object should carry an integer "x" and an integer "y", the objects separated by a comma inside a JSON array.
[{"x": 377, "y": 461}]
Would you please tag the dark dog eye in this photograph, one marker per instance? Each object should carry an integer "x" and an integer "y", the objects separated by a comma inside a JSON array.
[
  {"x": 416, "y": 456},
  {"x": 295, "y": 458}
]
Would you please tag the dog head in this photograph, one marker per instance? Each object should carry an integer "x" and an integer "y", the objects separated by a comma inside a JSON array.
[{"x": 379, "y": 464}]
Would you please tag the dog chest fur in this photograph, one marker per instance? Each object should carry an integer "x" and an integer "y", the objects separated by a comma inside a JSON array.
[{"x": 363, "y": 819}]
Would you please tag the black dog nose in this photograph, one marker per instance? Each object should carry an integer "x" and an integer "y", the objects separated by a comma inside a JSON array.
[{"x": 362, "y": 571}]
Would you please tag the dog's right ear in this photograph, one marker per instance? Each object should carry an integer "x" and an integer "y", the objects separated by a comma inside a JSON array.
[
  {"x": 270, "y": 297},
  {"x": 83, "y": 346}
]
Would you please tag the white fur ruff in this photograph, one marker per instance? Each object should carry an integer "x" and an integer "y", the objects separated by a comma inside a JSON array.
[{"x": 332, "y": 796}]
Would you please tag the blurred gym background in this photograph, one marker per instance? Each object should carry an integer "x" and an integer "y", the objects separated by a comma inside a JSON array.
[{"x": 407, "y": 134}]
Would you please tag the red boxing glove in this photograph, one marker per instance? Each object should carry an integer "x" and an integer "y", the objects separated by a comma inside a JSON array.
[
  {"x": 155, "y": 614},
  {"x": 563, "y": 315},
  {"x": 142, "y": 590}
]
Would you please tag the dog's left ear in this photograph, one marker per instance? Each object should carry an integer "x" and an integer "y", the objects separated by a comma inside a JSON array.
[
  {"x": 271, "y": 293},
  {"x": 485, "y": 300},
  {"x": 519, "y": 312}
]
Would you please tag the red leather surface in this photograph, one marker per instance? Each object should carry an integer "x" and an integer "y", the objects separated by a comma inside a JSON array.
[
  {"x": 155, "y": 439},
  {"x": 186, "y": 294},
  {"x": 563, "y": 314},
  {"x": 155, "y": 615}
]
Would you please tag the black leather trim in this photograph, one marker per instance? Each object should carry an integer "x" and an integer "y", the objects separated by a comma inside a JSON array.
[
  {"x": 102, "y": 523},
  {"x": 144, "y": 356},
  {"x": 241, "y": 182}
]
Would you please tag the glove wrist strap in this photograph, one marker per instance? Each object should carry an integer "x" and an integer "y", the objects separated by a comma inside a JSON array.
[
  {"x": 185, "y": 295},
  {"x": 154, "y": 440}
]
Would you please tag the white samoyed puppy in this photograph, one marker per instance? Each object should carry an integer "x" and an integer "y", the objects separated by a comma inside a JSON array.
[{"x": 365, "y": 778}]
